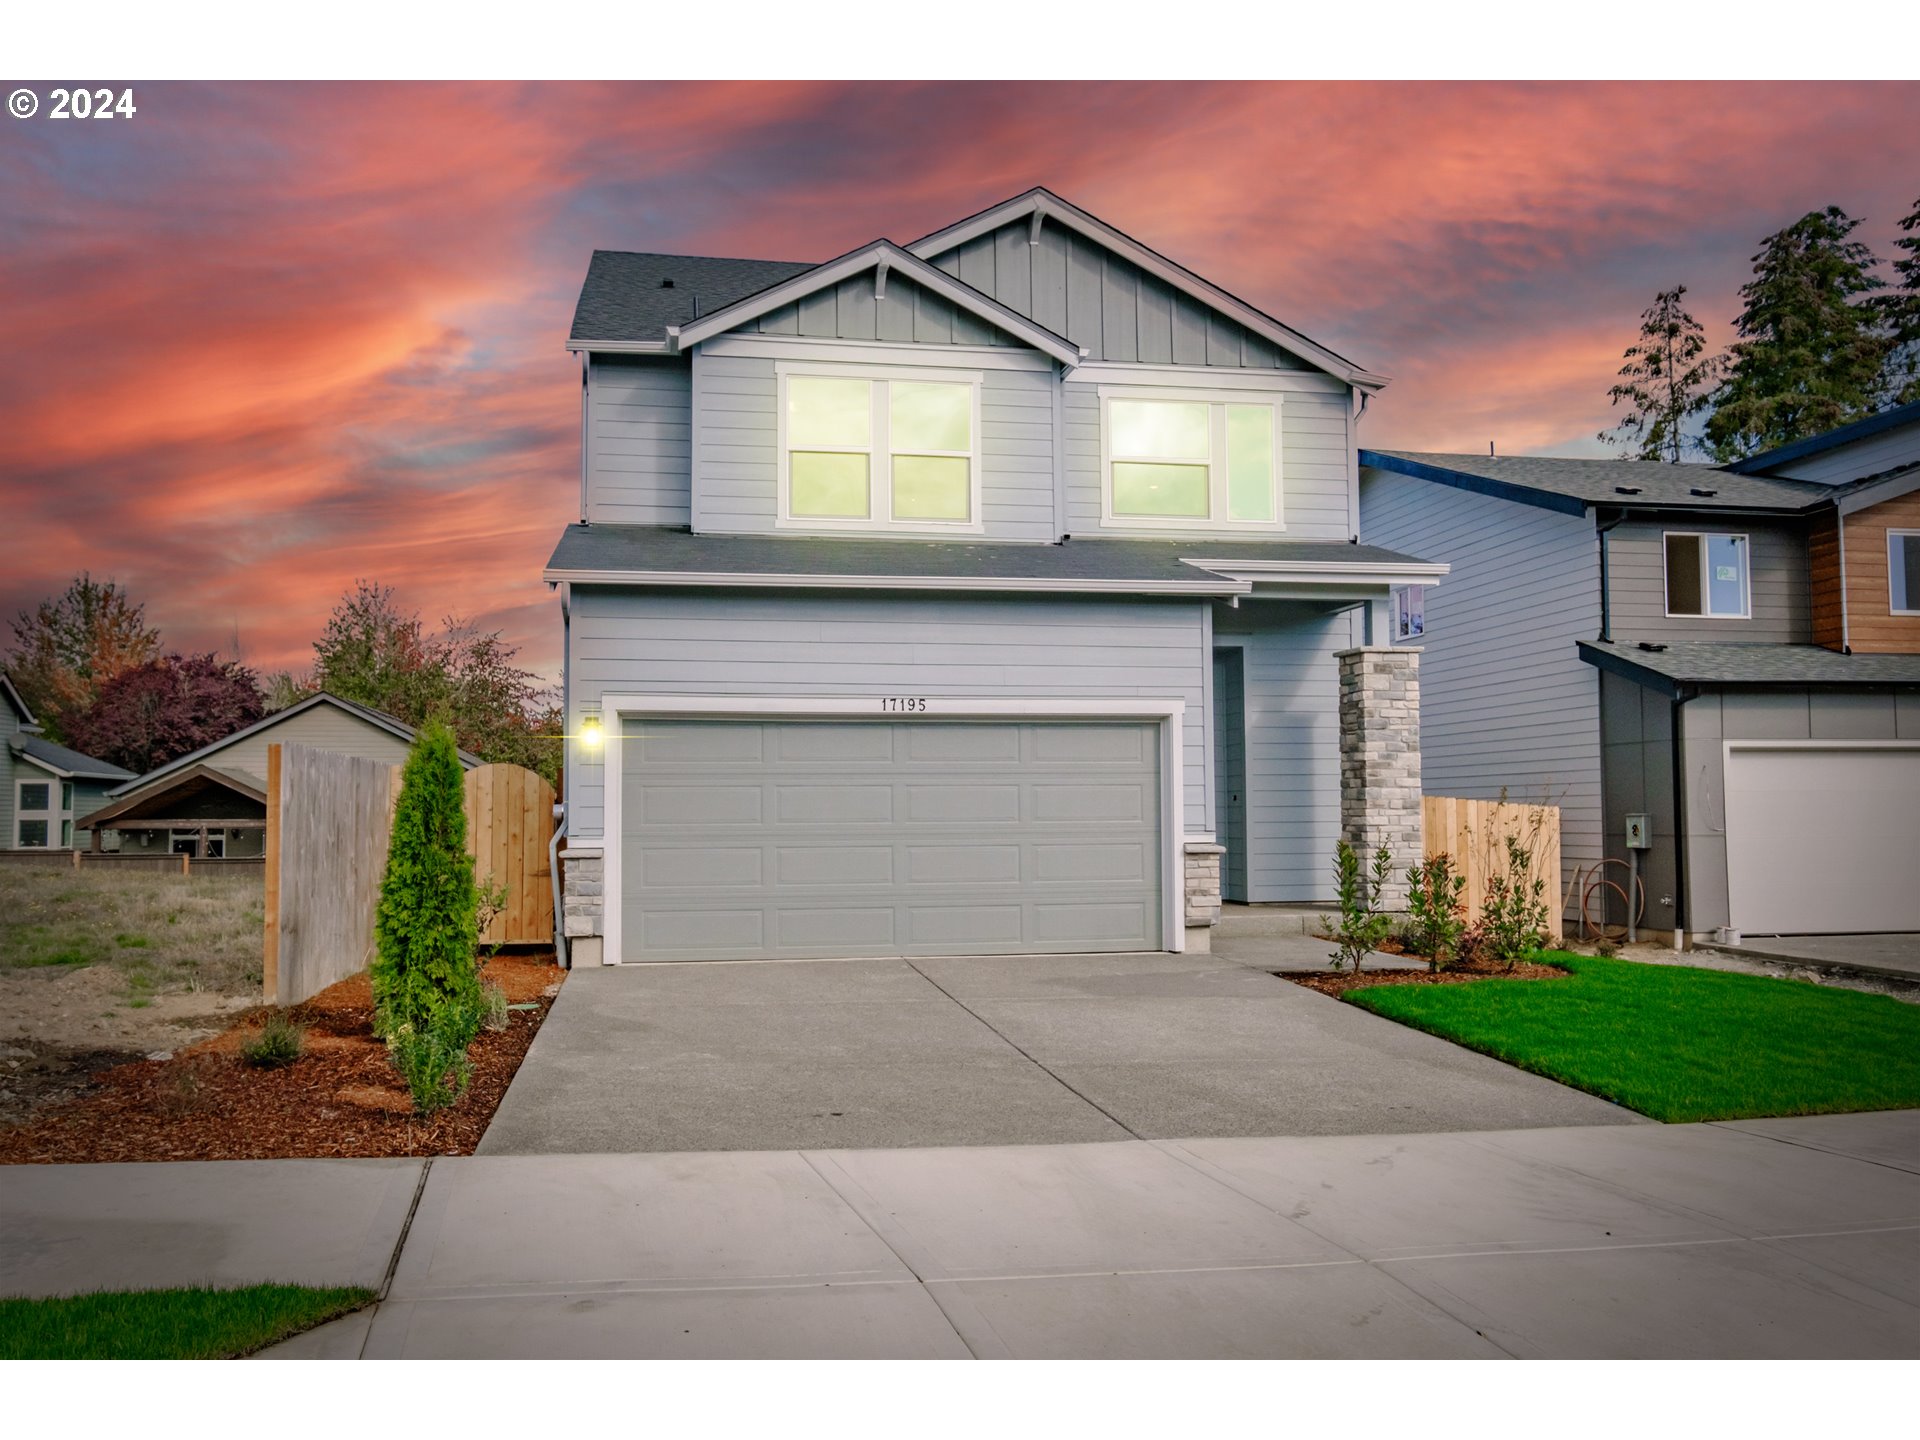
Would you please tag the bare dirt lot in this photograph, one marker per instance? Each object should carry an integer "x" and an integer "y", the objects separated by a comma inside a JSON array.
[{"x": 98, "y": 967}]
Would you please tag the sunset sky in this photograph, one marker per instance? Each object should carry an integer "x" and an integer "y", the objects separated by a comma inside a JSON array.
[{"x": 263, "y": 340}]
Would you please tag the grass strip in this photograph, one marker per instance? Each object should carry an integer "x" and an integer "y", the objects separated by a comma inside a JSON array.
[{"x": 195, "y": 1323}]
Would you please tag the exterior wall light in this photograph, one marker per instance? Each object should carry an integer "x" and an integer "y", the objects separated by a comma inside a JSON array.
[{"x": 590, "y": 733}]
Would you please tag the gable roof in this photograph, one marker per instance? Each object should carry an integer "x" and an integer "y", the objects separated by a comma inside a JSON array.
[
  {"x": 629, "y": 298},
  {"x": 395, "y": 727},
  {"x": 1830, "y": 440},
  {"x": 872, "y": 256},
  {"x": 1047, "y": 206},
  {"x": 1711, "y": 663},
  {"x": 13, "y": 698},
  {"x": 67, "y": 764},
  {"x": 198, "y": 776},
  {"x": 1570, "y": 485}
]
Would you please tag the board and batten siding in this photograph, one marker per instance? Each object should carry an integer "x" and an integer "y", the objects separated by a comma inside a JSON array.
[
  {"x": 906, "y": 313},
  {"x": 1316, "y": 453},
  {"x": 1777, "y": 566},
  {"x": 1104, "y": 302},
  {"x": 797, "y": 643},
  {"x": 736, "y": 400},
  {"x": 1506, "y": 703},
  {"x": 638, "y": 439},
  {"x": 1290, "y": 686}
]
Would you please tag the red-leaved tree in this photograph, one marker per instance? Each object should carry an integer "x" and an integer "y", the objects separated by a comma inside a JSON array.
[{"x": 167, "y": 708}]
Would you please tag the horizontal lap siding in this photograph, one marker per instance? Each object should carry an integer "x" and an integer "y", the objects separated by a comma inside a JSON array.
[
  {"x": 1872, "y": 627},
  {"x": 738, "y": 398},
  {"x": 1874, "y": 455},
  {"x": 1781, "y": 602},
  {"x": 798, "y": 644},
  {"x": 1505, "y": 701},
  {"x": 639, "y": 428},
  {"x": 1292, "y": 709}
]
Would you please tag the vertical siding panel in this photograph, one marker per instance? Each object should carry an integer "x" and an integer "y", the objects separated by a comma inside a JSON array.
[
  {"x": 949, "y": 262},
  {"x": 895, "y": 318},
  {"x": 1119, "y": 315},
  {"x": 1013, "y": 269},
  {"x": 932, "y": 319},
  {"x": 1050, "y": 280},
  {"x": 1223, "y": 340},
  {"x": 976, "y": 264},
  {"x": 818, "y": 315},
  {"x": 1084, "y": 266},
  {"x": 970, "y": 329},
  {"x": 853, "y": 302},
  {"x": 1261, "y": 352},
  {"x": 784, "y": 321},
  {"x": 1189, "y": 331},
  {"x": 1155, "y": 322}
]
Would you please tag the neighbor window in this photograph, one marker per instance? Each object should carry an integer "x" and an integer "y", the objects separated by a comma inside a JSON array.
[
  {"x": 1707, "y": 575},
  {"x": 33, "y": 834},
  {"x": 887, "y": 452},
  {"x": 1409, "y": 612},
  {"x": 1903, "y": 571},
  {"x": 34, "y": 796},
  {"x": 1174, "y": 461}
]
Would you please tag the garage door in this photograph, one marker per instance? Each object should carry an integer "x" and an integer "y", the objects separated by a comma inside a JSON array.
[
  {"x": 1823, "y": 841},
  {"x": 787, "y": 839}
]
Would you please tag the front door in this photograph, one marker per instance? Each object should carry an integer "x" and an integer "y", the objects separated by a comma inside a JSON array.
[{"x": 1230, "y": 770}]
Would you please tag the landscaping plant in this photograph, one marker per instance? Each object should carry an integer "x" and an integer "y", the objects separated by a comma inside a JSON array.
[
  {"x": 279, "y": 1042},
  {"x": 1362, "y": 923},
  {"x": 493, "y": 1006},
  {"x": 1436, "y": 904},
  {"x": 433, "y": 1058},
  {"x": 1513, "y": 916}
]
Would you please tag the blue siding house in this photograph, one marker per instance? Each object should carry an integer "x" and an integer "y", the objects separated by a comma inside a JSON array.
[
  {"x": 1002, "y": 591},
  {"x": 46, "y": 790}
]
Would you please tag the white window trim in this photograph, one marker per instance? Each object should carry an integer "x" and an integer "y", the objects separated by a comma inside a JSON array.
[
  {"x": 1746, "y": 575},
  {"x": 53, "y": 813},
  {"x": 1169, "y": 714},
  {"x": 1393, "y": 607},
  {"x": 879, "y": 467},
  {"x": 1913, "y": 581},
  {"x": 1217, "y": 518}
]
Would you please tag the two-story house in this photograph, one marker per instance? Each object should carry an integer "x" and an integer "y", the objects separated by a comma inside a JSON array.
[
  {"x": 46, "y": 790},
  {"x": 1732, "y": 653},
  {"x": 976, "y": 595}
]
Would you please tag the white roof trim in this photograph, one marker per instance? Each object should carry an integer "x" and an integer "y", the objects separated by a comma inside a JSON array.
[
  {"x": 1225, "y": 585},
  {"x": 809, "y": 282},
  {"x": 26, "y": 715},
  {"x": 1178, "y": 276},
  {"x": 622, "y": 347},
  {"x": 1346, "y": 572},
  {"x": 1876, "y": 492}
]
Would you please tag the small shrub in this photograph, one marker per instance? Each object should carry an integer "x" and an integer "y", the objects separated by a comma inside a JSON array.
[
  {"x": 1362, "y": 925},
  {"x": 1513, "y": 917},
  {"x": 279, "y": 1042},
  {"x": 433, "y": 1061},
  {"x": 489, "y": 899},
  {"x": 1437, "y": 905},
  {"x": 493, "y": 1006}
]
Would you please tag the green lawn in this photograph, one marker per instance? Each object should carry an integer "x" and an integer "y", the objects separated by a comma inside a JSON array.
[
  {"x": 1679, "y": 1043},
  {"x": 192, "y": 1324}
]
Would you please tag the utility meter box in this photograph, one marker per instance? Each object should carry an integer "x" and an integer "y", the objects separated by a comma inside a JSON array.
[{"x": 1639, "y": 832}]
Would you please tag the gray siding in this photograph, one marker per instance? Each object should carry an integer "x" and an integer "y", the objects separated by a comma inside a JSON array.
[
  {"x": 1506, "y": 703},
  {"x": 323, "y": 727},
  {"x": 1120, "y": 313},
  {"x": 638, "y": 441},
  {"x": 721, "y": 643},
  {"x": 1636, "y": 563},
  {"x": 9, "y": 727},
  {"x": 907, "y": 312},
  {"x": 1872, "y": 456},
  {"x": 1636, "y": 733},
  {"x": 1291, "y": 684},
  {"x": 1316, "y": 451},
  {"x": 1707, "y": 721},
  {"x": 736, "y": 403}
]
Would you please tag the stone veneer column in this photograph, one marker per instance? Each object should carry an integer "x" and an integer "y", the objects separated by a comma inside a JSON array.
[
  {"x": 583, "y": 900},
  {"x": 1380, "y": 759},
  {"x": 1201, "y": 893}
]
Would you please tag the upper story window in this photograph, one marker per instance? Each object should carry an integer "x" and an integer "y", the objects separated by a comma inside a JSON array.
[
  {"x": 1177, "y": 461},
  {"x": 1903, "y": 571},
  {"x": 891, "y": 450},
  {"x": 33, "y": 814},
  {"x": 1707, "y": 575}
]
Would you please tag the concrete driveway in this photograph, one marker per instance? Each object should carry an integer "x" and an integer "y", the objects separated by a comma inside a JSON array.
[
  {"x": 1896, "y": 956},
  {"x": 991, "y": 1051}
]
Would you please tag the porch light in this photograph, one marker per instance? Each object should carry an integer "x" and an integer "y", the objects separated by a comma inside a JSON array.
[{"x": 590, "y": 735}]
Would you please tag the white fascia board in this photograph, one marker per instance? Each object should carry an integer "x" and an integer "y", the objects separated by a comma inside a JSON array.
[
  {"x": 49, "y": 767},
  {"x": 1351, "y": 572},
  {"x": 1178, "y": 276},
  {"x": 876, "y": 352},
  {"x": 1200, "y": 378},
  {"x": 1224, "y": 585},
  {"x": 821, "y": 277},
  {"x": 1892, "y": 488},
  {"x": 621, "y": 347}
]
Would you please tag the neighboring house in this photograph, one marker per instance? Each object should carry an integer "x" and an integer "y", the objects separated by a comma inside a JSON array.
[
  {"x": 45, "y": 789},
  {"x": 1690, "y": 643},
  {"x": 212, "y": 804},
  {"x": 969, "y": 596}
]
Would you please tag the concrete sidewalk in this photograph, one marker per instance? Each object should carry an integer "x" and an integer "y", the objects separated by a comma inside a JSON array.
[{"x": 1765, "y": 1239}]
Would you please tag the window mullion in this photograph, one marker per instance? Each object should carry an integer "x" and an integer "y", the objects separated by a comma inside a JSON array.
[
  {"x": 880, "y": 469},
  {"x": 1217, "y": 508}
]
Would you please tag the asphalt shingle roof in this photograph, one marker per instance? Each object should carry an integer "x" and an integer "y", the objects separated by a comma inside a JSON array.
[
  {"x": 1600, "y": 482},
  {"x": 647, "y": 548},
  {"x": 1700, "y": 662},
  {"x": 623, "y": 297},
  {"x": 72, "y": 761}
]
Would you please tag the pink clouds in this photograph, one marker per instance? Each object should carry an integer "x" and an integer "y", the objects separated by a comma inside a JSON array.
[{"x": 266, "y": 339}]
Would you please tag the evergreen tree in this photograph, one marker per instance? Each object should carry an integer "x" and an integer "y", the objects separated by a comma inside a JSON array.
[
  {"x": 1812, "y": 343},
  {"x": 1668, "y": 378},
  {"x": 425, "y": 932},
  {"x": 1903, "y": 315}
]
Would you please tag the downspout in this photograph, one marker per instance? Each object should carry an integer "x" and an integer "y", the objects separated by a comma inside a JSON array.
[
  {"x": 566, "y": 777},
  {"x": 1606, "y": 579},
  {"x": 1059, "y": 450},
  {"x": 1679, "y": 824},
  {"x": 1840, "y": 543},
  {"x": 586, "y": 361}
]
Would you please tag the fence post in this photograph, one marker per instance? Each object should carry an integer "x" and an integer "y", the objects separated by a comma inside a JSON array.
[{"x": 270, "y": 949}]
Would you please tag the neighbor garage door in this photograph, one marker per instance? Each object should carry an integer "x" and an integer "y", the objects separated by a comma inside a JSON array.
[
  {"x": 777, "y": 839},
  {"x": 1823, "y": 841}
]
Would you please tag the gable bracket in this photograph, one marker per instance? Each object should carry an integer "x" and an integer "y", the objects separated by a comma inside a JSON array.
[{"x": 880, "y": 281}]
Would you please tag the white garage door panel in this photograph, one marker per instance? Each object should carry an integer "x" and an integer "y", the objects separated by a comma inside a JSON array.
[
  {"x": 755, "y": 839},
  {"x": 1823, "y": 841}
]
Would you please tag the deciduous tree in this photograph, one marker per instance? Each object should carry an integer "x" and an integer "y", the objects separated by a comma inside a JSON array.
[
  {"x": 166, "y": 708},
  {"x": 68, "y": 647},
  {"x": 1668, "y": 379}
]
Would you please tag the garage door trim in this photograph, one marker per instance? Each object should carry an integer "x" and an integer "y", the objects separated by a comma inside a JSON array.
[{"x": 1168, "y": 713}]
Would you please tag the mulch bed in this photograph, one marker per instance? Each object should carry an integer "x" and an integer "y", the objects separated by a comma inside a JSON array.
[
  {"x": 1340, "y": 983},
  {"x": 341, "y": 1098}
]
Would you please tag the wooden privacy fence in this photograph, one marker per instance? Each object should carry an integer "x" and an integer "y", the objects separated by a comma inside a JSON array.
[
  {"x": 329, "y": 820},
  {"x": 241, "y": 867},
  {"x": 1474, "y": 833}
]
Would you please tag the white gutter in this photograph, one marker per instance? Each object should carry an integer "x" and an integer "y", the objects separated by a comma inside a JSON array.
[{"x": 1225, "y": 585}]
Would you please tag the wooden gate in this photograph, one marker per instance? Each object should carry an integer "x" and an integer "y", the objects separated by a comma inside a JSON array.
[{"x": 509, "y": 823}]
